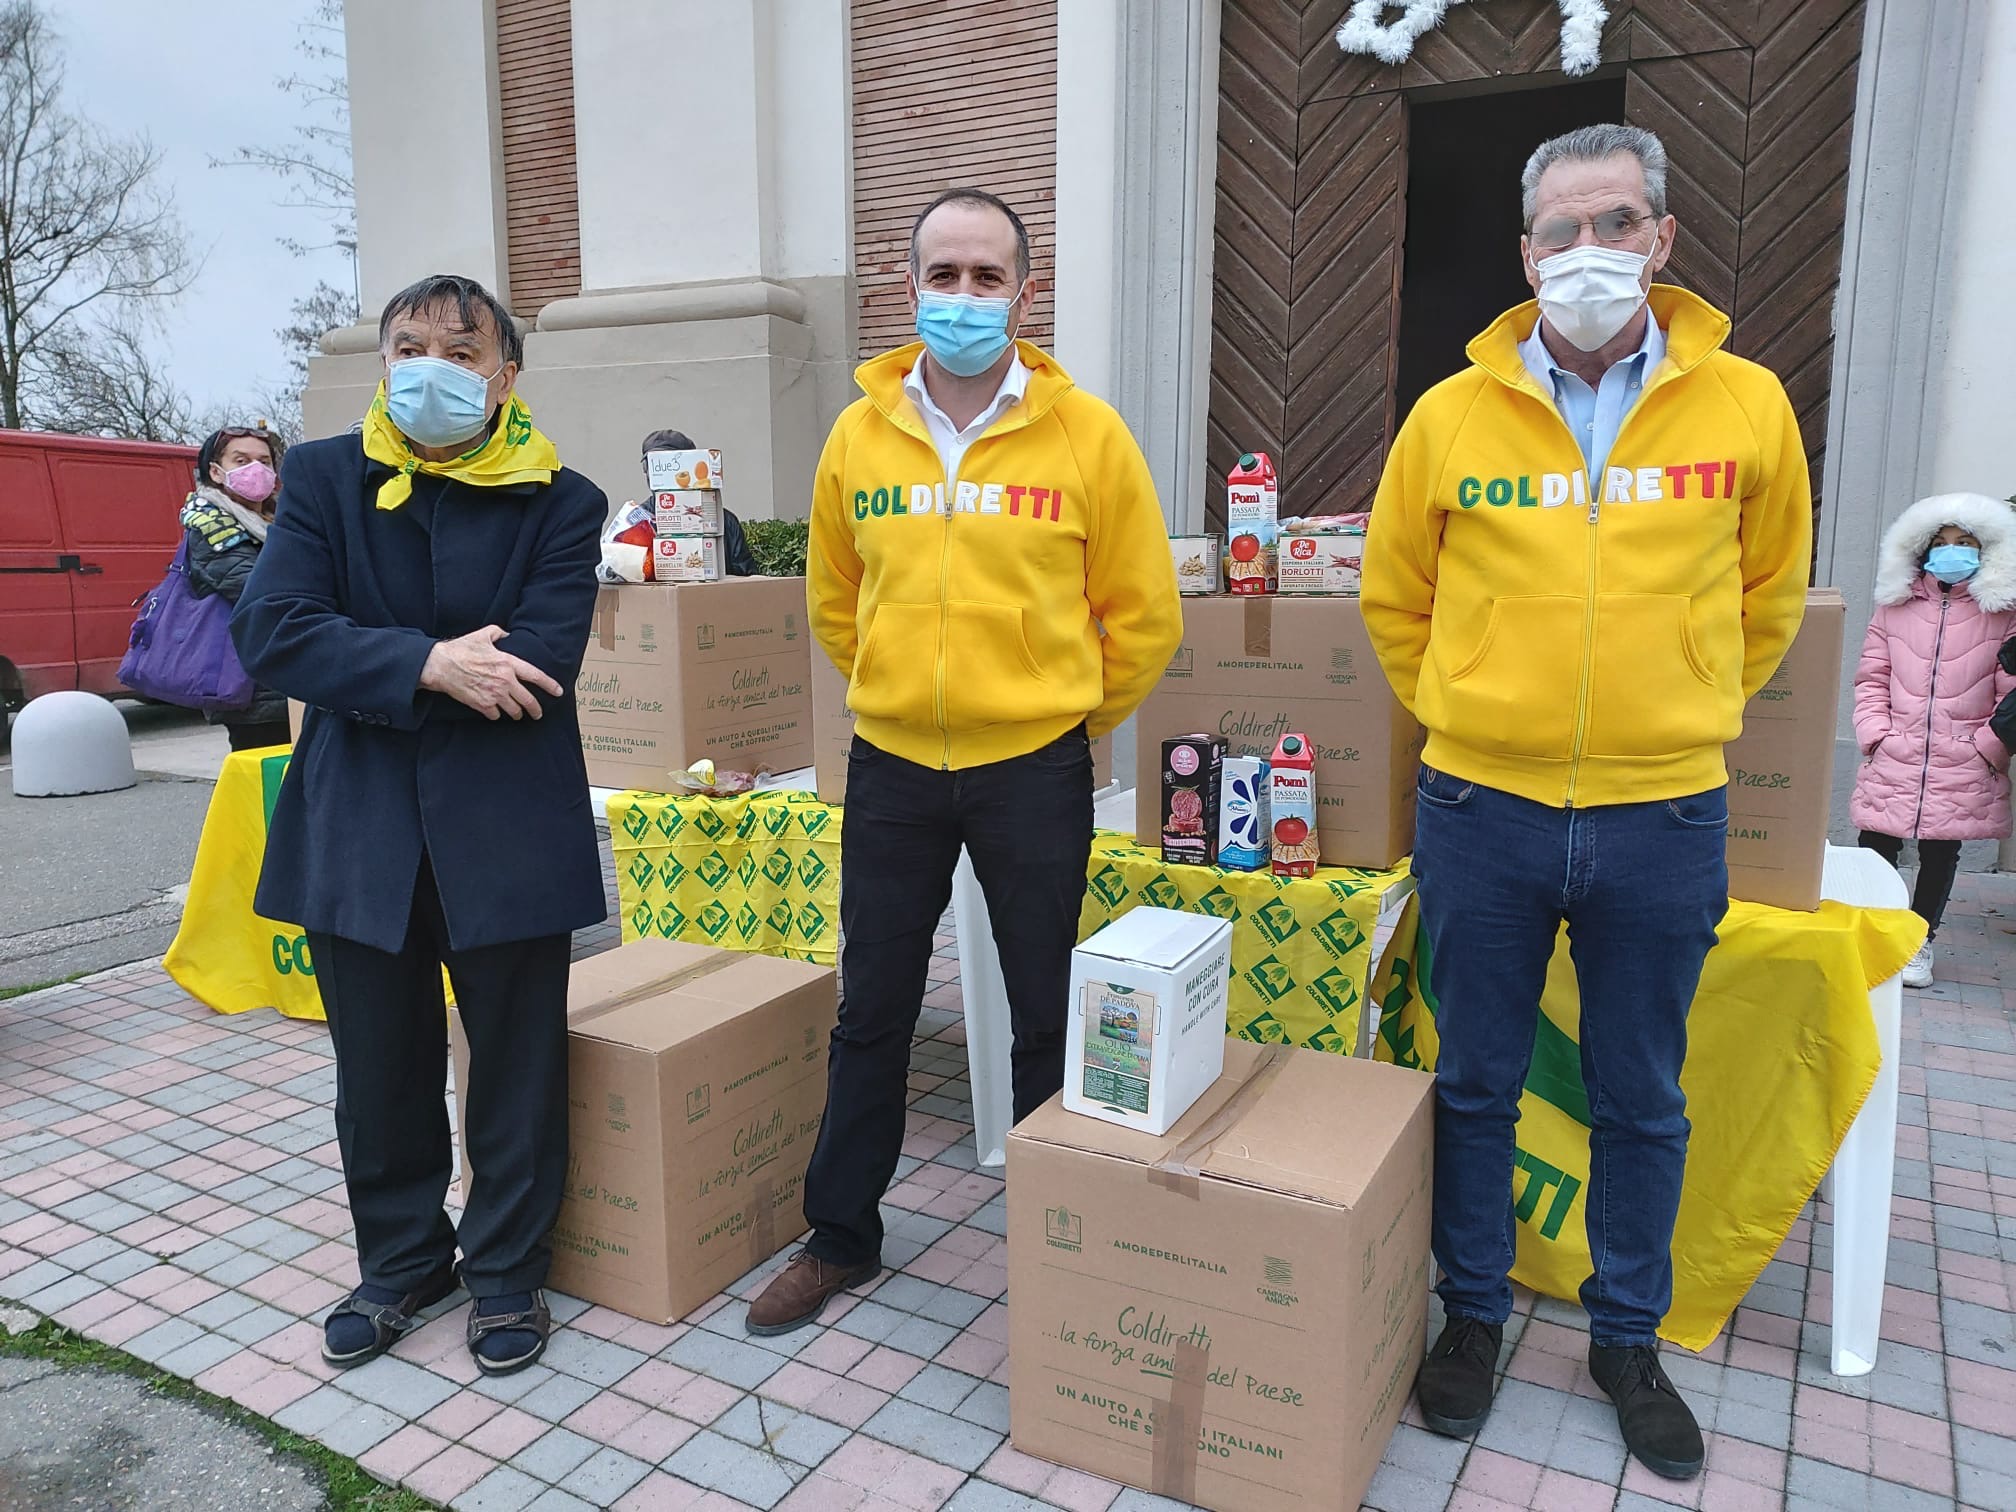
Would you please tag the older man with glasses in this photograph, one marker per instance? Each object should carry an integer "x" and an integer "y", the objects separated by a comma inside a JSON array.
[{"x": 1591, "y": 548}]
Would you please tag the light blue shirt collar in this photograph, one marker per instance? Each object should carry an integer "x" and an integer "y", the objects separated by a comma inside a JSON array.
[{"x": 1595, "y": 416}]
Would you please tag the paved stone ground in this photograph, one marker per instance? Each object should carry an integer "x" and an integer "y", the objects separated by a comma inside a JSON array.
[{"x": 169, "y": 1184}]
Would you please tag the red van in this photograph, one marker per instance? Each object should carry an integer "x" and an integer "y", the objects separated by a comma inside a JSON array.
[{"x": 86, "y": 527}]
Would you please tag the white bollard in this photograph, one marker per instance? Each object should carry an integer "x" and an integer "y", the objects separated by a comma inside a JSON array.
[{"x": 70, "y": 743}]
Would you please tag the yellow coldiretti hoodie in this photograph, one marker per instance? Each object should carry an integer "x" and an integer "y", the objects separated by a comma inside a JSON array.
[
  {"x": 966, "y": 612},
  {"x": 1581, "y": 641}
]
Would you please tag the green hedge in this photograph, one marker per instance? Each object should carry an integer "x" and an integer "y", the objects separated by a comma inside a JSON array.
[{"x": 778, "y": 546}]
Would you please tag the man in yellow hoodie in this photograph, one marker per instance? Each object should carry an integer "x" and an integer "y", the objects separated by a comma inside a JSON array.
[
  {"x": 977, "y": 523},
  {"x": 1588, "y": 550}
]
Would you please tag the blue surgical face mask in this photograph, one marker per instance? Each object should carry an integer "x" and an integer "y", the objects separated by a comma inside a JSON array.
[
  {"x": 964, "y": 333},
  {"x": 436, "y": 402},
  {"x": 1953, "y": 564}
]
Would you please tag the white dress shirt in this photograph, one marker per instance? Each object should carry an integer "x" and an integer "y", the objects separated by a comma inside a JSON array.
[{"x": 951, "y": 441}]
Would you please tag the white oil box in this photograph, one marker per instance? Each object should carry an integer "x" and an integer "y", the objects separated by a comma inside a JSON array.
[{"x": 1146, "y": 1036}]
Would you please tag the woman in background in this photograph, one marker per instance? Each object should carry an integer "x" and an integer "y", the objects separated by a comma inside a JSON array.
[{"x": 237, "y": 491}]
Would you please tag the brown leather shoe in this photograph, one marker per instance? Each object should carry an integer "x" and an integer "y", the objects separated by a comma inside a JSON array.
[{"x": 799, "y": 1293}]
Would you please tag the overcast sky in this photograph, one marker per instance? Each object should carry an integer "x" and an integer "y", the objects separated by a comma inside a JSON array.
[{"x": 200, "y": 78}]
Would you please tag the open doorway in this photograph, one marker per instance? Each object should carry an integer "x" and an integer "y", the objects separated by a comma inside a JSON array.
[{"x": 1461, "y": 268}]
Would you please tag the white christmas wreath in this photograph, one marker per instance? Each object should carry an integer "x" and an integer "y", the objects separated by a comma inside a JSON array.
[{"x": 1366, "y": 30}]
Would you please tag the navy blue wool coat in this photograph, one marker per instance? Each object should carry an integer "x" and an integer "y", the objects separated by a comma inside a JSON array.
[{"x": 341, "y": 611}]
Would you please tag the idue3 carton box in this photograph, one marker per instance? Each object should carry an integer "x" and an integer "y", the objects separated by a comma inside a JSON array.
[
  {"x": 696, "y": 1081},
  {"x": 1147, "y": 1025},
  {"x": 669, "y": 470},
  {"x": 1254, "y": 669},
  {"x": 675, "y": 673},
  {"x": 1781, "y": 769},
  {"x": 1245, "y": 804},
  {"x": 1231, "y": 1313}
]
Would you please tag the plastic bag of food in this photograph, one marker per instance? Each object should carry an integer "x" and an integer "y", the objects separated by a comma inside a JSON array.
[
  {"x": 626, "y": 544},
  {"x": 702, "y": 777}
]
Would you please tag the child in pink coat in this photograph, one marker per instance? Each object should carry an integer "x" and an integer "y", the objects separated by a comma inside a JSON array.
[{"x": 1932, "y": 770}]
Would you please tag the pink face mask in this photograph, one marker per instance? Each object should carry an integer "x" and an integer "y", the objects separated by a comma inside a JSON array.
[{"x": 254, "y": 482}]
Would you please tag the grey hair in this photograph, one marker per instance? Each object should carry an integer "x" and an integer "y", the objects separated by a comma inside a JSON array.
[{"x": 1592, "y": 144}]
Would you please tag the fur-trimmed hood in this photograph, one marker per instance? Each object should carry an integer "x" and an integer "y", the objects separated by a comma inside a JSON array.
[{"x": 1990, "y": 521}]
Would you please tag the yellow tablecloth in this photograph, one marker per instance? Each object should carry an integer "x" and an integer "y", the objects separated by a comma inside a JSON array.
[
  {"x": 1781, "y": 1054},
  {"x": 1301, "y": 947},
  {"x": 757, "y": 872},
  {"x": 226, "y": 956}
]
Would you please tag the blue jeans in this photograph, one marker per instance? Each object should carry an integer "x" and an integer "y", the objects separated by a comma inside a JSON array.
[{"x": 1641, "y": 888}]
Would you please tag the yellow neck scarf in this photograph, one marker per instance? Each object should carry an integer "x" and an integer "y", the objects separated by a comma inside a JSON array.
[{"x": 515, "y": 452}]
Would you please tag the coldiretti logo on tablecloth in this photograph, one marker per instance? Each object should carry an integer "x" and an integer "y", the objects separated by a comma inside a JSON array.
[
  {"x": 758, "y": 872},
  {"x": 1300, "y": 949}
]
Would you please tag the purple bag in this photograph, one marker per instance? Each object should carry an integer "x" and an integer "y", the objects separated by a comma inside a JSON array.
[{"x": 180, "y": 651}]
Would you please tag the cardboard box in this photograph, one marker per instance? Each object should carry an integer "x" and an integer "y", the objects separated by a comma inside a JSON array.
[
  {"x": 687, "y": 559},
  {"x": 1147, "y": 1028},
  {"x": 676, "y": 673},
  {"x": 1252, "y": 669},
  {"x": 1196, "y": 563},
  {"x": 668, "y": 470},
  {"x": 1321, "y": 555},
  {"x": 832, "y": 728},
  {"x": 687, "y": 512},
  {"x": 833, "y": 734},
  {"x": 696, "y": 1080},
  {"x": 1781, "y": 768},
  {"x": 1230, "y": 1314}
]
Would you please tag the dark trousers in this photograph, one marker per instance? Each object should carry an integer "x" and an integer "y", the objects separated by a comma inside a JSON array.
[
  {"x": 388, "y": 1022},
  {"x": 255, "y": 737},
  {"x": 1642, "y": 888},
  {"x": 1938, "y": 865},
  {"x": 1027, "y": 824}
]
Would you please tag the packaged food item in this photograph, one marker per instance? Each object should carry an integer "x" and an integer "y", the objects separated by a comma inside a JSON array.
[
  {"x": 1192, "y": 766},
  {"x": 1245, "y": 839},
  {"x": 668, "y": 470},
  {"x": 1322, "y": 554},
  {"x": 1196, "y": 563},
  {"x": 686, "y": 559},
  {"x": 1252, "y": 525},
  {"x": 1148, "y": 1003},
  {"x": 689, "y": 511},
  {"x": 1292, "y": 800}
]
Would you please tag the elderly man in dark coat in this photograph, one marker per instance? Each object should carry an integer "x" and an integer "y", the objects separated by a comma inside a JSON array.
[{"x": 427, "y": 591}]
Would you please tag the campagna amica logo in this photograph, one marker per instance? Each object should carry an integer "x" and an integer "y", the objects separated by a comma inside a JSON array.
[
  {"x": 1277, "y": 1281},
  {"x": 1063, "y": 1229}
]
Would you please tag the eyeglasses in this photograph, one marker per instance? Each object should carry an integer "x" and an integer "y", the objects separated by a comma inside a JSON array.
[{"x": 1611, "y": 227}]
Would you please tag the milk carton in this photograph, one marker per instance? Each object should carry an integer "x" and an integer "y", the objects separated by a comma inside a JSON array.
[
  {"x": 1196, "y": 563},
  {"x": 686, "y": 559},
  {"x": 1292, "y": 794},
  {"x": 1192, "y": 767},
  {"x": 1146, "y": 1036},
  {"x": 670, "y": 470},
  {"x": 688, "y": 512},
  {"x": 1245, "y": 838},
  {"x": 1252, "y": 525}
]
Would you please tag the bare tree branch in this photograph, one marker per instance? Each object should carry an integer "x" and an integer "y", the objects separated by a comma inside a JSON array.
[
  {"x": 84, "y": 221},
  {"x": 106, "y": 382}
]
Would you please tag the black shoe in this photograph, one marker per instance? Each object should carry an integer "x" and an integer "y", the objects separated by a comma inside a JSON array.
[
  {"x": 508, "y": 1333},
  {"x": 373, "y": 1318},
  {"x": 1658, "y": 1428},
  {"x": 1459, "y": 1377}
]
